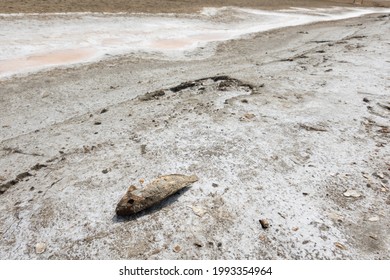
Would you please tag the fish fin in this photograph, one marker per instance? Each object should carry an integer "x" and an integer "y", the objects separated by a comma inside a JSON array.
[{"x": 131, "y": 188}]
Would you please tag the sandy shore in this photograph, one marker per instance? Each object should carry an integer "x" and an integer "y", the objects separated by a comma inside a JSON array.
[{"x": 289, "y": 125}]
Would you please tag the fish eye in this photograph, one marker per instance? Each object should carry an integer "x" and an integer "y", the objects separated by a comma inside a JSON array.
[{"x": 131, "y": 201}]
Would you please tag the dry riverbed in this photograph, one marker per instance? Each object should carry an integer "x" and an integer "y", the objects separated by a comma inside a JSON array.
[{"x": 289, "y": 126}]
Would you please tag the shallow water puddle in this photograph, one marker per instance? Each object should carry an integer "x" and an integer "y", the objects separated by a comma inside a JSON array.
[{"x": 44, "y": 60}]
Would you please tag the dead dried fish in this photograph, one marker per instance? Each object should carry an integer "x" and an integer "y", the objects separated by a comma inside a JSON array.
[{"x": 136, "y": 200}]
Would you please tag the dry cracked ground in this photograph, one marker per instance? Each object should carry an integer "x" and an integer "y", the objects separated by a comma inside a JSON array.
[{"x": 289, "y": 126}]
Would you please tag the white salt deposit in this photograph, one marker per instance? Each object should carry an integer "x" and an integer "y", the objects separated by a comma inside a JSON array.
[{"x": 33, "y": 42}]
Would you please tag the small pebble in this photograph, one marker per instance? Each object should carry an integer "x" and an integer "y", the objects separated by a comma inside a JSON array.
[
  {"x": 177, "y": 249},
  {"x": 340, "y": 246},
  {"x": 198, "y": 244},
  {"x": 352, "y": 193},
  {"x": 40, "y": 248},
  {"x": 264, "y": 223},
  {"x": 373, "y": 219}
]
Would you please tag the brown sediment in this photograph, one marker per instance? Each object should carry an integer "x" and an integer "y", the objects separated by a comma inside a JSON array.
[{"x": 172, "y": 6}]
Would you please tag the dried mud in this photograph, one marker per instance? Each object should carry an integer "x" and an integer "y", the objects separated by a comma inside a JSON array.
[{"x": 277, "y": 126}]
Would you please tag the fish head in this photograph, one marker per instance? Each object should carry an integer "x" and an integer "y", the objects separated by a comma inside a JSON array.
[{"x": 130, "y": 203}]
